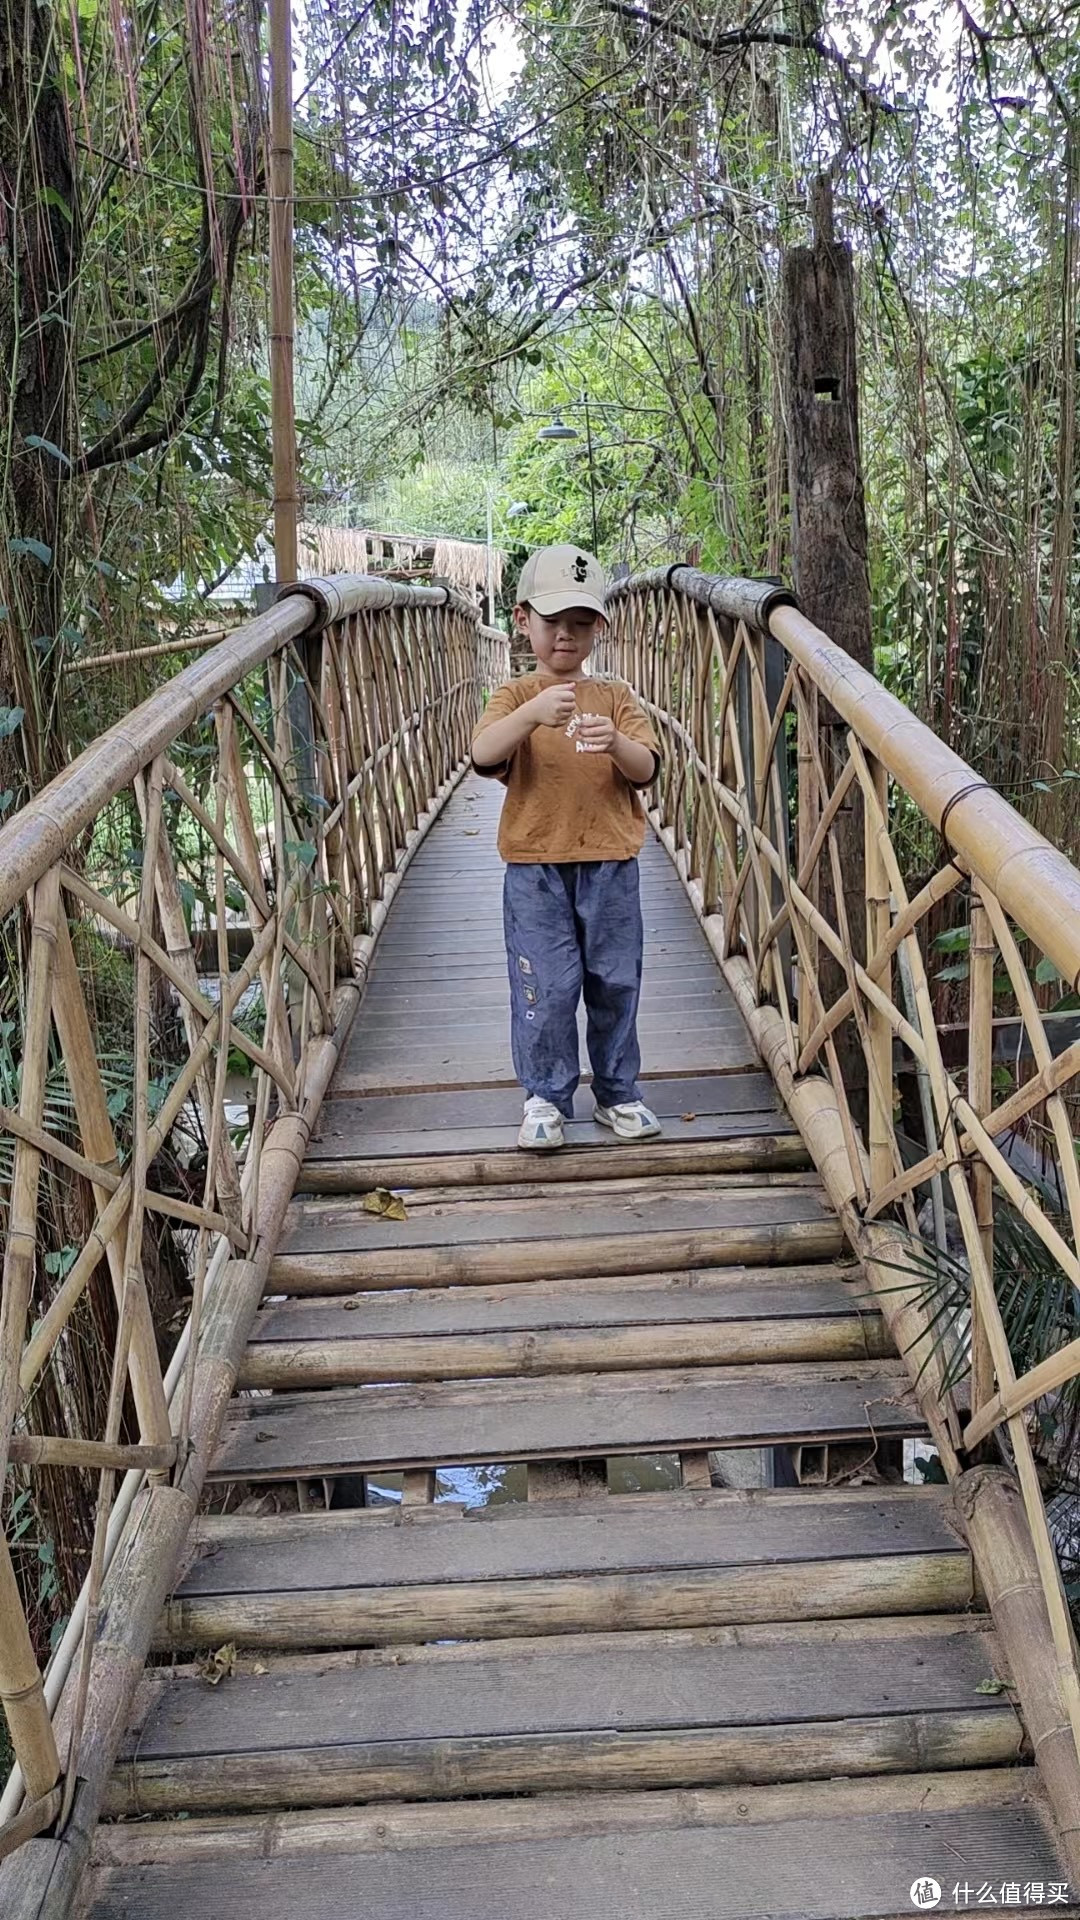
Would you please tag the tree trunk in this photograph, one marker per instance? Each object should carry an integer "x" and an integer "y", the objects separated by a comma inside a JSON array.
[
  {"x": 38, "y": 265},
  {"x": 828, "y": 536}
]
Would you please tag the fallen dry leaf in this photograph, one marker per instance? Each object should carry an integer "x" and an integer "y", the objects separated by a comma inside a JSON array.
[
  {"x": 389, "y": 1206},
  {"x": 688, "y": 1117},
  {"x": 214, "y": 1667}
]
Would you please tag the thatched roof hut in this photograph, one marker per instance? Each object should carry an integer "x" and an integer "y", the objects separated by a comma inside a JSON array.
[{"x": 461, "y": 563}]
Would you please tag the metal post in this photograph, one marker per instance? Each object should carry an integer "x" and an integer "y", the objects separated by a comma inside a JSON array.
[{"x": 592, "y": 477}]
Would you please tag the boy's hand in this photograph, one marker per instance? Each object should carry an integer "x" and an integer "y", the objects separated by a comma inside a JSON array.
[
  {"x": 555, "y": 706},
  {"x": 596, "y": 732}
]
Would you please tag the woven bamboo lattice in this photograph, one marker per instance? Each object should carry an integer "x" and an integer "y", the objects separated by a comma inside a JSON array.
[
  {"x": 317, "y": 742},
  {"x": 736, "y": 680}
]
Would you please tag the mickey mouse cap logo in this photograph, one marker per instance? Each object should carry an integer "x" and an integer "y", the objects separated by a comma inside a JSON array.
[{"x": 554, "y": 578}]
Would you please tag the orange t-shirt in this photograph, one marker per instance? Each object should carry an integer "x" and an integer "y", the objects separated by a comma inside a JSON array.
[{"x": 561, "y": 804}]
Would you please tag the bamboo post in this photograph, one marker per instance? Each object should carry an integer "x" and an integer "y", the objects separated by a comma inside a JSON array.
[
  {"x": 21, "y": 1251},
  {"x": 729, "y": 830},
  {"x": 881, "y": 1140},
  {"x": 980, "y": 1095},
  {"x": 22, "y": 1691},
  {"x": 282, "y": 320},
  {"x": 96, "y": 1133},
  {"x": 806, "y": 828}
]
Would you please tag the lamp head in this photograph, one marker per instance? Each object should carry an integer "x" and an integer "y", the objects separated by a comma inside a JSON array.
[{"x": 558, "y": 430}]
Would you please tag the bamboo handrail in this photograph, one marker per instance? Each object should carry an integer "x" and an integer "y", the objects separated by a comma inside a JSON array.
[
  {"x": 696, "y": 647},
  {"x": 305, "y": 827}
]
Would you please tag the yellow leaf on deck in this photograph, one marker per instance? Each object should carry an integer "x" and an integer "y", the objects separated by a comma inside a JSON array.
[
  {"x": 688, "y": 1117},
  {"x": 389, "y": 1206},
  {"x": 214, "y": 1667}
]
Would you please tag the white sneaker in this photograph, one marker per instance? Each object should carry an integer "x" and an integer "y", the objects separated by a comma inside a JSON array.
[
  {"x": 542, "y": 1127},
  {"x": 631, "y": 1121}
]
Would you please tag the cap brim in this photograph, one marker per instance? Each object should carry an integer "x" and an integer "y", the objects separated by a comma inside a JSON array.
[{"x": 549, "y": 604}]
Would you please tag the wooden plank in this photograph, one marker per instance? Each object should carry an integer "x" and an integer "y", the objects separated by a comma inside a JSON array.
[
  {"x": 686, "y": 1856},
  {"x": 370, "y": 1615},
  {"x": 473, "y": 1263},
  {"x": 301, "y": 1366},
  {"x": 441, "y": 1069},
  {"x": 501, "y": 1163},
  {"x": 767, "y": 1675},
  {"x": 528, "y": 1193},
  {"x": 549, "y": 1327},
  {"x": 749, "y": 1702},
  {"x": 292, "y": 1553},
  {"x": 425, "y": 1016},
  {"x": 317, "y": 1226},
  {"x": 359, "y": 1429},
  {"x": 364, "y": 1830},
  {"x": 706, "y": 1095},
  {"x": 724, "y": 1294}
]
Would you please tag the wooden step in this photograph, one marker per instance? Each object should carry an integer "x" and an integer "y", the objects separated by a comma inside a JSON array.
[
  {"x": 689, "y": 1559},
  {"x": 713, "y": 1123},
  {"x": 707, "y": 1706},
  {"x": 497, "y": 1159},
  {"x": 559, "y": 1416},
  {"x": 812, "y": 1851},
  {"x": 333, "y": 1245},
  {"x": 720, "y": 1316}
]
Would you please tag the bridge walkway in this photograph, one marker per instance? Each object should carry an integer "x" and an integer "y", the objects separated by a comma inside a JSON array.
[{"x": 479, "y": 1622}]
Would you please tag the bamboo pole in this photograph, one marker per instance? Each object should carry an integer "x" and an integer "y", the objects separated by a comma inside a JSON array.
[
  {"x": 37, "y": 836},
  {"x": 126, "y": 657},
  {"x": 96, "y": 1133},
  {"x": 282, "y": 321},
  {"x": 980, "y": 1094},
  {"x": 20, "y": 1253},
  {"x": 34, "y": 1818},
  {"x": 141, "y": 1577},
  {"x": 882, "y": 1136},
  {"x": 22, "y": 1693},
  {"x": 97, "y": 1456},
  {"x": 59, "y": 1865}
]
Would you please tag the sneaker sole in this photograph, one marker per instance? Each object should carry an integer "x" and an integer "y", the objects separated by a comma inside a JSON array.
[
  {"x": 540, "y": 1146},
  {"x": 646, "y": 1133}
]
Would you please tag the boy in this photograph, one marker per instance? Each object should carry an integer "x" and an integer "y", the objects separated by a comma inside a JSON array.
[{"x": 571, "y": 753}]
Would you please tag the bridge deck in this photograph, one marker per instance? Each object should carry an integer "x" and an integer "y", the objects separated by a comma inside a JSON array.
[{"x": 544, "y": 1657}]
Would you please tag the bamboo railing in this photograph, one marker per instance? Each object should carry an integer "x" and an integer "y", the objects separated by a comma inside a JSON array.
[
  {"x": 736, "y": 680},
  {"x": 291, "y": 772}
]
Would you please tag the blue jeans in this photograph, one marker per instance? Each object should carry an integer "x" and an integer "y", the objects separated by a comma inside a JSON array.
[{"x": 571, "y": 927}]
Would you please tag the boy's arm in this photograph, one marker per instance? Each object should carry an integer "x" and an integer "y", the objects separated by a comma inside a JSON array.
[
  {"x": 640, "y": 764},
  {"x": 498, "y": 741},
  {"x": 627, "y": 738},
  {"x": 499, "y": 735}
]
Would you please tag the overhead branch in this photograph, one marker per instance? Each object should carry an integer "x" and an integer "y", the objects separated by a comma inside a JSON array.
[
  {"x": 185, "y": 335},
  {"x": 735, "y": 39}
]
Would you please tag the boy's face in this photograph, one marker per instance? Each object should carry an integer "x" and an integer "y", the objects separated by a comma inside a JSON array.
[{"x": 560, "y": 641}]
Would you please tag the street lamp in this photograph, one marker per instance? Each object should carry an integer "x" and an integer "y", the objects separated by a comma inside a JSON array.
[{"x": 558, "y": 430}]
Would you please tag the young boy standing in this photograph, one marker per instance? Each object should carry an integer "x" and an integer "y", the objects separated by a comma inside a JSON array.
[{"x": 572, "y": 754}]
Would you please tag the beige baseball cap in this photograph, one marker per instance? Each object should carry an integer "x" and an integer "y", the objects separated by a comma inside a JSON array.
[{"x": 555, "y": 578}]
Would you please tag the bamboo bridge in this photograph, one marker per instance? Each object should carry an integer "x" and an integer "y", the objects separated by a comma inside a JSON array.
[{"x": 533, "y": 1540}]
